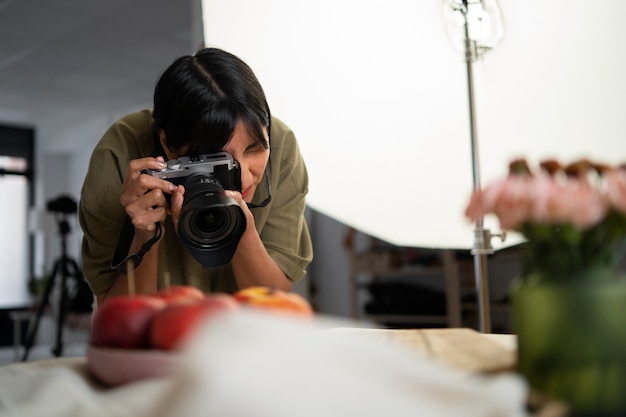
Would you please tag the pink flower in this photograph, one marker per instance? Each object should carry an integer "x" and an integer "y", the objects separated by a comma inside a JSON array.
[
  {"x": 580, "y": 203},
  {"x": 508, "y": 199},
  {"x": 516, "y": 200},
  {"x": 573, "y": 216},
  {"x": 566, "y": 200},
  {"x": 544, "y": 199},
  {"x": 483, "y": 201},
  {"x": 616, "y": 189}
]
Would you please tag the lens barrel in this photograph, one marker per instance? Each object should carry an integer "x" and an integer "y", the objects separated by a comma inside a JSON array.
[{"x": 211, "y": 223}]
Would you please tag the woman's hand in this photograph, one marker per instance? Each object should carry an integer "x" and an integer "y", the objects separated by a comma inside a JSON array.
[
  {"x": 235, "y": 195},
  {"x": 143, "y": 196},
  {"x": 252, "y": 265}
]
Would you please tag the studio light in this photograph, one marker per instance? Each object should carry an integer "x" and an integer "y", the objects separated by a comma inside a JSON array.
[
  {"x": 475, "y": 27},
  {"x": 481, "y": 18}
]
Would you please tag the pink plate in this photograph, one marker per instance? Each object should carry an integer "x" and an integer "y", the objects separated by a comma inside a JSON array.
[{"x": 120, "y": 366}]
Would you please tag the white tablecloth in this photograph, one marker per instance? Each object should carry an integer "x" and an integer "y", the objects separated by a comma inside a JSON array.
[{"x": 255, "y": 365}]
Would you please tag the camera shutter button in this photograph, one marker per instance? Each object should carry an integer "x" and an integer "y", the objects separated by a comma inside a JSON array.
[{"x": 173, "y": 164}]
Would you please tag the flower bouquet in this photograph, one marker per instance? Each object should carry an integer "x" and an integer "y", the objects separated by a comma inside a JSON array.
[{"x": 569, "y": 305}]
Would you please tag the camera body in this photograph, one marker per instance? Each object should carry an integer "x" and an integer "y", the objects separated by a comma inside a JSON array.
[
  {"x": 211, "y": 223},
  {"x": 220, "y": 166},
  {"x": 64, "y": 204}
]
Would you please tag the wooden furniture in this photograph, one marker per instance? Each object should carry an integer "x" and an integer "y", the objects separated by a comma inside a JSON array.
[
  {"x": 377, "y": 263},
  {"x": 376, "y": 266},
  {"x": 452, "y": 271}
]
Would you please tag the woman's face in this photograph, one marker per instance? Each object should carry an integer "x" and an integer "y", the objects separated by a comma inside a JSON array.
[
  {"x": 244, "y": 148},
  {"x": 252, "y": 159}
]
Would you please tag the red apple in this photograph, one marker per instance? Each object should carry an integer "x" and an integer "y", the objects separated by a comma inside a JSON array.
[
  {"x": 180, "y": 293},
  {"x": 276, "y": 300},
  {"x": 173, "y": 325},
  {"x": 124, "y": 321}
]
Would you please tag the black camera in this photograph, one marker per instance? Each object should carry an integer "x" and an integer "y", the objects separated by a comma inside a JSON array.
[
  {"x": 63, "y": 204},
  {"x": 211, "y": 223},
  {"x": 62, "y": 207}
]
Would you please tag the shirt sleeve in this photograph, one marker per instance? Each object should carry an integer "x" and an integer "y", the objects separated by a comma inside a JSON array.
[
  {"x": 285, "y": 233},
  {"x": 100, "y": 212}
]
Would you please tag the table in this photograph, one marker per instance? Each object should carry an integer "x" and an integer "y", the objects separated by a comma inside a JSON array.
[
  {"x": 73, "y": 391},
  {"x": 461, "y": 348},
  {"x": 465, "y": 349}
]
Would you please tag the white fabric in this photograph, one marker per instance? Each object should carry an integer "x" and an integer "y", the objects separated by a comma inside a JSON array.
[
  {"x": 257, "y": 365},
  {"x": 62, "y": 388},
  {"x": 253, "y": 365}
]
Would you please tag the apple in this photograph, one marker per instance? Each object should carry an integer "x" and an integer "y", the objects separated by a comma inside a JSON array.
[
  {"x": 124, "y": 321},
  {"x": 273, "y": 299},
  {"x": 176, "y": 322},
  {"x": 180, "y": 293}
]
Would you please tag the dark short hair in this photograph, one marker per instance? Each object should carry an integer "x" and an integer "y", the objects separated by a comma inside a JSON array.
[{"x": 200, "y": 98}]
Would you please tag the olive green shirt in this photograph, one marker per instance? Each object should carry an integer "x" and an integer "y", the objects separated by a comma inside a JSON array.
[{"x": 281, "y": 224}]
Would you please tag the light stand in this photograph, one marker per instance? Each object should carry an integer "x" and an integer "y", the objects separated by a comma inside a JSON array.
[
  {"x": 475, "y": 43},
  {"x": 66, "y": 268}
]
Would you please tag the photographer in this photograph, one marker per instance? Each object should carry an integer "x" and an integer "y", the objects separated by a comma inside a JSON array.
[{"x": 203, "y": 103}]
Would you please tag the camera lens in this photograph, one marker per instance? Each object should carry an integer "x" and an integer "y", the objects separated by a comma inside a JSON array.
[
  {"x": 210, "y": 227},
  {"x": 210, "y": 220},
  {"x": 211, "y": 223}
]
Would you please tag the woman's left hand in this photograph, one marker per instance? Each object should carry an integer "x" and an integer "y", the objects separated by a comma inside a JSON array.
[{"x": 244, "y": 206}]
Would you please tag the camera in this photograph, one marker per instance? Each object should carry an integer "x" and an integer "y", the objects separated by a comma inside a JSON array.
[
  {"x": 211, "y": 223},
  {"x": 63, "y": 204}
]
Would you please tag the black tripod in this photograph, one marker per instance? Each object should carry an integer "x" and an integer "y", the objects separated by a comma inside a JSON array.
[{"x": 67, "y": 268}]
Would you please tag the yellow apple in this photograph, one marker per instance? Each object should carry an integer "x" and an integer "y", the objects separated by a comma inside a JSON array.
[{"x": 273, "y": 299}]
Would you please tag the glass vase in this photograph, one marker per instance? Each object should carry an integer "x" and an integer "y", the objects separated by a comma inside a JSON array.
[{"x": 572, "y": 340}]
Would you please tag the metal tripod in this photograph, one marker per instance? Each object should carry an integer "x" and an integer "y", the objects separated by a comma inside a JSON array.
[{"x": 66, "y": 268}]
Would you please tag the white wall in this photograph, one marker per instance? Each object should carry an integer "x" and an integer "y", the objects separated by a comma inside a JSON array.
[{"x": 378, "y": 96}]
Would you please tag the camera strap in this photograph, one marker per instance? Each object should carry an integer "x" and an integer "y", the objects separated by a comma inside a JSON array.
[{"x": 123, "y": 246}]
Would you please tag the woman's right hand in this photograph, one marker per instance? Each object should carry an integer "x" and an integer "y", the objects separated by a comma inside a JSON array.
[{"x": 143, "y": 196}]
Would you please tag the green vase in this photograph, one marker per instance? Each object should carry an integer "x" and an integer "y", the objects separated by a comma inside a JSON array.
[{"x": 572, "y": 341}]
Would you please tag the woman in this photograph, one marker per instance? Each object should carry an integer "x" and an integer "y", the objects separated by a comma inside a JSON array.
[{"x": 203, "y": 103}]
